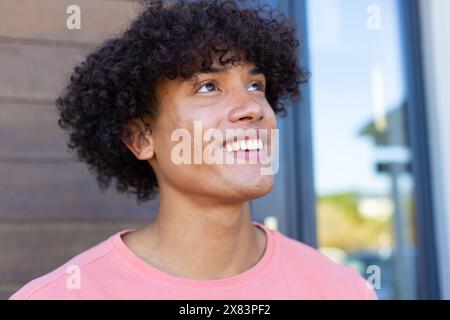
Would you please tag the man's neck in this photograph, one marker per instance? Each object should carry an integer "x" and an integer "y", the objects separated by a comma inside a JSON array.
[{"x": 207, "y": 242}]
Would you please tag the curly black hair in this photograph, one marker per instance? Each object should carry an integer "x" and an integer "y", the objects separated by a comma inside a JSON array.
[{"x": 116, "y": 82}]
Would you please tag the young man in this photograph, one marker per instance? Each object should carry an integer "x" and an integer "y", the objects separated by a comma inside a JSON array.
[{"x": 180, "y": 67}]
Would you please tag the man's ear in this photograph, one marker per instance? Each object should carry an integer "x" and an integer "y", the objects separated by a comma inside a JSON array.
[{"x": 137, "y": 136}]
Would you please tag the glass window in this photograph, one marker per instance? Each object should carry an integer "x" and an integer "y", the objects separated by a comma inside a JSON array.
[{"x": 365, "y": 203}]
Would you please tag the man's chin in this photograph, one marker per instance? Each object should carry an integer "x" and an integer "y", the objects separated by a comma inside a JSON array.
[{"x": 256, "y": 191}]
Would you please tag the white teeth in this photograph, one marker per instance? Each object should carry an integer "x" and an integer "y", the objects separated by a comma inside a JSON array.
[
  {"x": 260, "y": 144},
  {"x": 242, "y": 145}
]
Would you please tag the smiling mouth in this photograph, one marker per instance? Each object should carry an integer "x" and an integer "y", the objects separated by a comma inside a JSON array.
[{"x": 244, "y": 145}]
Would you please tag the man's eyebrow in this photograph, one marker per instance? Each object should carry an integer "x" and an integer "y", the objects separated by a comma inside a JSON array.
[
  {"x": 253, "y": 71},
  {"x": 193, "y": 80},
  {"x": 211, "y": 70}
]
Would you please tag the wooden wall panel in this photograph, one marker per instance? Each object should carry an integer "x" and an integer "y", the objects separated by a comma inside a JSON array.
[
  {"x": 45, "y": 20},
  {"x": 34, "y": 72},
  {"x": 31, "y": 131},
  {"x": 62, "y": 191}
]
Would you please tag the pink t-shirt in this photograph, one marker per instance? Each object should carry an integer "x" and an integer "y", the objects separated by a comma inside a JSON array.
[{"x": 288, "y": 269}]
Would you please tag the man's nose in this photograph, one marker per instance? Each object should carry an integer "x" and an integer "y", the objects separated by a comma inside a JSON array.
[{"x": 246, "y": 108}]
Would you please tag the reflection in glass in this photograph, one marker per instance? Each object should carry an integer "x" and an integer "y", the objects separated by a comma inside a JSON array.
[{"x": 365, "y": 204}]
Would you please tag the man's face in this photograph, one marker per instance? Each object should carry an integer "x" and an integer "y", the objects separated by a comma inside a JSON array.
[{"x": 222, "y": 99}]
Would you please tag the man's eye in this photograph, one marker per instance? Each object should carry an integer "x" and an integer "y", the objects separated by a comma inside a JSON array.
[
  {"x": 208, "y": 86},
  {"x": 260, "y": 86},
  {"x": 211, "y": 87}
]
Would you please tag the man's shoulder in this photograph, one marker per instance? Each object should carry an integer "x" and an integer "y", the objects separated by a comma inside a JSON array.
[
  {"x": 298, "y": 252},
  {"x": 306, "y": 264},
  {"x": 59, "y": 283}
]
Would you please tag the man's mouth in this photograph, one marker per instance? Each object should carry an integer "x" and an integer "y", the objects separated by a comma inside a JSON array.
[{"x": 244, "y": 145}]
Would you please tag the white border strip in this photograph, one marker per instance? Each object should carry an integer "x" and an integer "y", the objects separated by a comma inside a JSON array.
[{"x": 436, "y": 50}]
